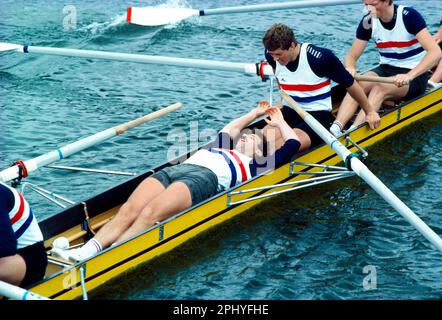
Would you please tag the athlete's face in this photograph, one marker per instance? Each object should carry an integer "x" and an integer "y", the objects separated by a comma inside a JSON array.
[
  {"x": 283, "y": 57},
  {"x": 249, "y": 144},
  {"x": 376, "y": 8}
]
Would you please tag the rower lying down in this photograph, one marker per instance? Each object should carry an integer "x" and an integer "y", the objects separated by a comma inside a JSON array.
[{"x": 233, "y": 158}]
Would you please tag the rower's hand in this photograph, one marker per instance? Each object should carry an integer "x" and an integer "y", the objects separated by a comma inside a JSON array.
[
  {"x": 276, "y": 117},
  {"x": 352, "y": 71},
  {"x": 401, "y": 80},
  {"x": 261, "y": 108},
  {"x": 373, "y": 120}
]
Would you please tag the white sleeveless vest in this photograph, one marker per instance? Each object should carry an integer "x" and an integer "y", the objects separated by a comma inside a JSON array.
[
  {"x": 230, "y": 166},
  {"x": 313, "y": 93},
  {"x": 24, "y": 224},
  {"x": 397, "y": 47}
]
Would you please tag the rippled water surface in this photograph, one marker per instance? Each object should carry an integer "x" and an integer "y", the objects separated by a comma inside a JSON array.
[{"x": 313, "y": 244}]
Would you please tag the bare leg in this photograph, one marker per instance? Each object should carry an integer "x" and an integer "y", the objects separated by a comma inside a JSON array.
[
  {"x": 174, "y": 199},
  {"x": 379, "y": 93},
  {"x": 12, "y": 269},
  {"x": 437, "y": 75},
  {"x": 349, "y": 106},
  {"x": 146, "y": 191}
]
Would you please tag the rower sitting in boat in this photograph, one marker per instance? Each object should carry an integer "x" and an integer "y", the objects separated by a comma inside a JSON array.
[
  {"x": 437, "y": 74},
  {"x": 23, "y": 258},
  {"x": 232, "y": 159},
  {"x": 407, "y": 53},
  {"x": 305, "y": 71}
]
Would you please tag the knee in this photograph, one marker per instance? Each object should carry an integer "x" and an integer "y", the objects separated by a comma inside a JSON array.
[
  {"x": 148, "y": 216},
  {"x": 378, "y": 91},
  {"x": 127, "y": 213}
]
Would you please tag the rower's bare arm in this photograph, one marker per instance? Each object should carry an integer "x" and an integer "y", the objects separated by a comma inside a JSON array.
[
  {"x": 353, "y": 55},
  {"x": 277, "y": 120},
  {"x": 432, "y": 57},
  {"x": 235, "y": 127},
  {"x": 357, "y": 93}
]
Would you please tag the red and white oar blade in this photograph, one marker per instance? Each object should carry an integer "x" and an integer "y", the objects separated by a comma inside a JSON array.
[
  {"x": 4, "y": 46},
  {"x": 158, "y": 16}
]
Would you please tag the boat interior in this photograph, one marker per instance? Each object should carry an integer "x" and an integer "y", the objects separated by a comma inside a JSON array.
[{"x": 81, "y": 221}]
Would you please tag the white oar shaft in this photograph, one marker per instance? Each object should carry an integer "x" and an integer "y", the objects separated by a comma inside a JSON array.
[
  {"x": 249, "y": 68},
  {"x": 277, "y": 6},
  {"x": 362, "y": 171},
  {"x": 65, "y": 151},
  {"x": 13, "y": 292}
]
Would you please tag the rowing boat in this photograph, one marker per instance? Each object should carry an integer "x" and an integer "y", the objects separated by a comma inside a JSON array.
[{"x": 64, "y": 280}]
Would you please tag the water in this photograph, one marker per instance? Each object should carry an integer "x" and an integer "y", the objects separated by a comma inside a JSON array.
[{"x": 299, "y": 246}]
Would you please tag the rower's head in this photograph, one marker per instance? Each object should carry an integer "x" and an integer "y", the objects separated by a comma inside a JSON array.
[
  {"x": 251, "y": 144},
  {"x": 378, "y": 8},
  {"x": 279, "y": 40}
]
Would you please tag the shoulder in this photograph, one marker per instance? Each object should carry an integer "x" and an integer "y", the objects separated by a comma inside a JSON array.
[
  {"x": 319, "y": 57},
  {"x": 413, "y": 20},
  {"x": 411, "y": 12},
  {"x": 7, "y": 198},
  {"x": 269, "y": 58},
  {"x": 366, "y": 21},
  {"x": 319, "y": 54},
  {"x": 363, "y": 31},
  {"x": 223, "y": 140}
]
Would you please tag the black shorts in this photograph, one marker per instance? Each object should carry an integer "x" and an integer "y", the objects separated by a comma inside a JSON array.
[
  {"x": 202, "y": 182},
  {"x": 417, "y": 86},
  {"x": 295, "y": 121},
  {"x": 36, "y": 261}
]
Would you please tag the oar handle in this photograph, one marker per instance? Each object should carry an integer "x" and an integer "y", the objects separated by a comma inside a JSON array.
[
  {"x": 360, "y": 77},
  {"x": 149, "y": 117}
]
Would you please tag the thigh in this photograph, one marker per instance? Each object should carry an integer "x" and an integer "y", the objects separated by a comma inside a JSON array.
[
  {"x": 367, "y": 86},
  {"x": 304, "y": 137},
  {"x": 12, "y": 269},
  {"x": 174, "y": 199},
  {"x": 387, "y": 91},
  {"x": 36, "y": 261},
  {"x": 146, "y": 191}
]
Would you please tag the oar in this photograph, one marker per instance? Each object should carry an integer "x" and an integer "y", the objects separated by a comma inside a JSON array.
[
  {"x": 248, "y": 68},
  {"x": 362, "y": 77},
  {"x": 362, "y": 171},
  {"x": 157, "y": 16},
  {"x": 25, "y": 167},
  {"x": 13, "y": 292}
]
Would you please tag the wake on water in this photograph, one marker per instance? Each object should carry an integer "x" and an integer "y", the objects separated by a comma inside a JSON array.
[{"x": 118, "y": 26}]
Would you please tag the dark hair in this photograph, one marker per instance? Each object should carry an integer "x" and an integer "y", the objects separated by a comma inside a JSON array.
[{"x": 278, "y": 36}]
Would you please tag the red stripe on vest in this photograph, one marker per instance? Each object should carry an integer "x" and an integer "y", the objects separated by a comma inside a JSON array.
[
  {"x": 241, "y": 165},
  {"x": 396, "y": 44},
  {"x": 304, "y": 87},
  {"x": 20, "y": 211}
]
